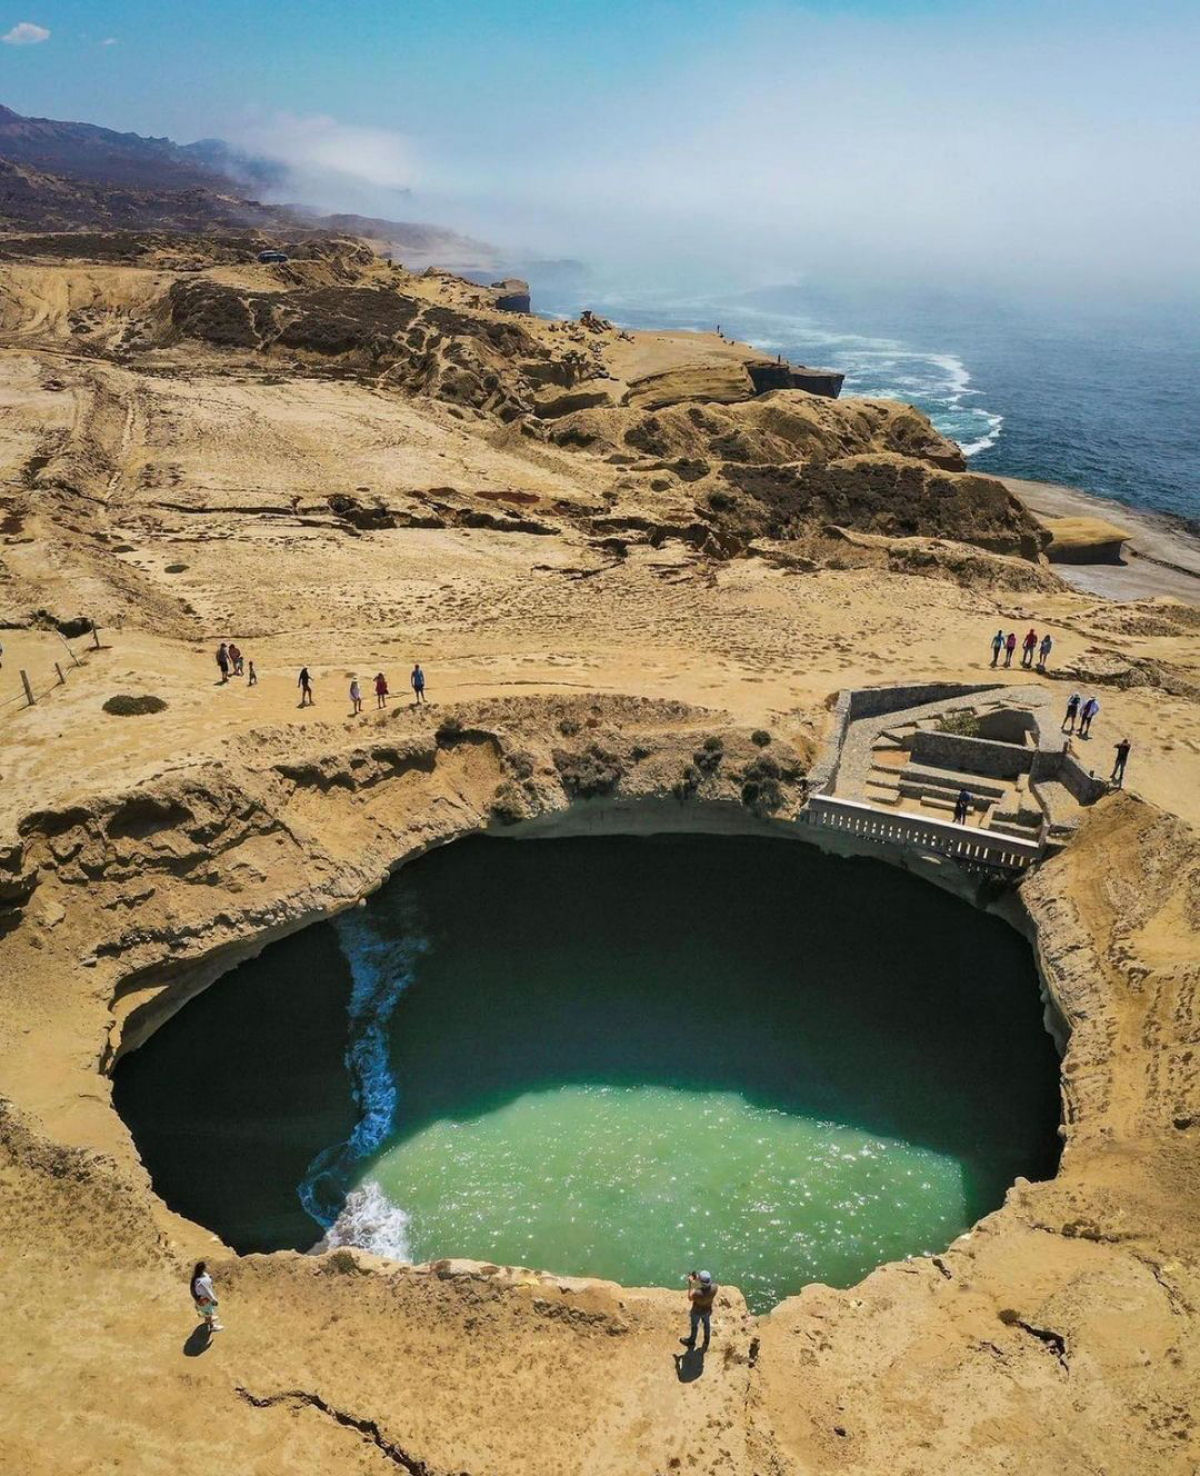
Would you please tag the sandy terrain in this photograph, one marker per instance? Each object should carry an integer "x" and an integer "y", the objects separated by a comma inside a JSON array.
[{"x": 180, "y": 493}]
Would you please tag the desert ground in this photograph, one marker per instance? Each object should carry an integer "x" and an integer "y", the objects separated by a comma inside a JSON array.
[{"x": 342, "y": 466}]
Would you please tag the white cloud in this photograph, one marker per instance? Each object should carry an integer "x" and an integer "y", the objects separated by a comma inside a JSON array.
[
  {"x": 25, "y": 33},
  {"x": 109, "y": 41}
]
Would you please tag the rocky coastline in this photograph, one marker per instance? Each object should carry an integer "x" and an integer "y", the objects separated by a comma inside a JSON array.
[{"x": 604, "y": 598}]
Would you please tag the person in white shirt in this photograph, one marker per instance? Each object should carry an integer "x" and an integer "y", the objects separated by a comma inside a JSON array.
[{"x": 205, "y": 1297}]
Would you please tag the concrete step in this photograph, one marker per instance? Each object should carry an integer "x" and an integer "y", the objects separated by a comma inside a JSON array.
[
  {"x": 898, "y": 734},
  {"x": 918, "y": 777},
  {"x": 892, "y": 771}
]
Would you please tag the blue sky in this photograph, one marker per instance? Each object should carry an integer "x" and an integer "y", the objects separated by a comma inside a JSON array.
[{"x": 1052, "y": 138}]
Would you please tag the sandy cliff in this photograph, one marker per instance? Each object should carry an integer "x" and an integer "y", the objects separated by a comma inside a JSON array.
[{"x": 588, "y": 613}]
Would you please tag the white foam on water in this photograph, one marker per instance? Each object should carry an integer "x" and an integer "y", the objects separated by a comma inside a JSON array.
[
  {"x": 370, "y": 1221},
  {"x": 382, "y": 966},
  {"x": 939, "y": 383}
]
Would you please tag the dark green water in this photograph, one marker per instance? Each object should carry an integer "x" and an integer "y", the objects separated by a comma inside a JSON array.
[{"x": 617, "y": 1057}]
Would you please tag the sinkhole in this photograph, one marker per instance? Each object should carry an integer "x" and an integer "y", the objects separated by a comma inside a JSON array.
[{"x": 622, "y": 1057}]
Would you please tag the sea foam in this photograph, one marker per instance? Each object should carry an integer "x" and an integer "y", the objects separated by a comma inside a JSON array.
[
  {"x": 372, "y": 1222},
  {"x": 381, "y": 969}
]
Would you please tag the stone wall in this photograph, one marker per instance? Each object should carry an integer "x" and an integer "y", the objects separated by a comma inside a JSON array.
[
  {"x": 868, "y": 702},
  {"x": 971, "y": 755}
]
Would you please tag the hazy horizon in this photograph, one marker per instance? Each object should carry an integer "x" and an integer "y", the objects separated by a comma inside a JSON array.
[{"x": 982, "y": 146}]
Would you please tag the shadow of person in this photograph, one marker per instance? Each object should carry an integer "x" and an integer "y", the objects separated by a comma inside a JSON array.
[
  {"x": 198, "y": 1341},
  {"x": 689, "y": 1365}
]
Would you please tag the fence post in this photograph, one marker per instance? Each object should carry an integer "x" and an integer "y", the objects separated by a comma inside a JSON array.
[
  {"x": 62, "y": 681},
  {"x": 28, "y": 688}
]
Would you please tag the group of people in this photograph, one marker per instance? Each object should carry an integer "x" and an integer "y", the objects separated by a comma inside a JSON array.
[
  {"x": 232, "y": 662},
  {"x": 416, "y": 681},
  {"x": 1084, "y": 711},
  {"x": 1031, "y": 647}
]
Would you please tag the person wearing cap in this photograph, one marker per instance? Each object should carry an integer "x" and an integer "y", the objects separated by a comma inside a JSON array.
[{"x": 702, "y": 1292}]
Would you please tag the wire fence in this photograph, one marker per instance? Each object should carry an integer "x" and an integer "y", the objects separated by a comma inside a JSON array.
[{"x": 41, "y": 683}]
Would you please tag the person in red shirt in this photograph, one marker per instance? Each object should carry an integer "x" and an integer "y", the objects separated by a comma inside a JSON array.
[{"x": 381, "y": 690}]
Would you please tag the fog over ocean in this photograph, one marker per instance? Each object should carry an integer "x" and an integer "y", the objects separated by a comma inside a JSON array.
[{"x": 1098, "y": 397}]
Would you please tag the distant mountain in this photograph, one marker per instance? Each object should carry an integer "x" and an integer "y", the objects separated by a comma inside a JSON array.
[
  {"x": 31, "y": 200},
  {"x": 82, "y": 151},
  {"x": 57, "y": 176}
]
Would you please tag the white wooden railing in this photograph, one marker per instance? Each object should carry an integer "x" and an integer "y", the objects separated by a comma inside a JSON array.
[{"x": 898, "y": 828}]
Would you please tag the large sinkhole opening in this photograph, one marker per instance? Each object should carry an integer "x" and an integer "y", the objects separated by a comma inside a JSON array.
[{"x": 618, "y": 1057}]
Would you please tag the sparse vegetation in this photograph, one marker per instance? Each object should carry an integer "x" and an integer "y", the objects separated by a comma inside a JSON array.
[
  {"x": 708, "y": 756},
  {"x": 760, "y": 738},
  {"x": 127, "y": 705},
  {"x": 963, "y": 724},
  {"x": 175, "y": 568},
  {"x": 595, "y": 770},
  {"x": 761, "y": 789}
]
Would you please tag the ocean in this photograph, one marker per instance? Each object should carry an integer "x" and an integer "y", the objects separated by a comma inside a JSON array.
[{"x": 1098, "y": 397}]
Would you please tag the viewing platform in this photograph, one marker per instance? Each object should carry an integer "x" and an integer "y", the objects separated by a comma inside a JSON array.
[{"x": 897, "y": 759}]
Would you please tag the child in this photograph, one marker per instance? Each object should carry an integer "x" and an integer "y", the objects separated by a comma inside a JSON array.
[{"x": 356, "y": 695}]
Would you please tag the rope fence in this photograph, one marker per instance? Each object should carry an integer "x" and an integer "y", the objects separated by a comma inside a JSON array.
[{"x": 34, "y": 689}]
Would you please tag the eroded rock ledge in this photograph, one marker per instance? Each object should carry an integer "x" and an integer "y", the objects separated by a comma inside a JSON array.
[{"x": 1059, "y": 1335}]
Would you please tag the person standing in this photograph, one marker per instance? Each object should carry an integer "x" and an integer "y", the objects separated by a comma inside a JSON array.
[
  {"x": 306, "y": 689},
  {"x": 1089, "y": 710},
  {"x": 962, "y": 806},
  {"x": 1044, "y": 651},
  {"x": 418, "y": 684},
  {"x": 355, "y": 696},
  {"x": 702, "y": 1292},
  {"x": 235, "y": 659},
  {"x": 997, "y": 646},
  {"x": 1029, "y": 646},
  {"x": 381, "y": 689},
  {"x": 252, "y": 676},
  {"x": 1010, "y": 645},
  {"x": 204, "y": 1297},
  {"x": 1118, "y": 773},
  {"x": 223, "y": 661},
  {"x": 1068, "y": 723}
]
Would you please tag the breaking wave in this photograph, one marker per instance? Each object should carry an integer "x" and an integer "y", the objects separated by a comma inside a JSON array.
[
  {"x": 372, "y": 1222},
  {"x": 381, "y": 969}
]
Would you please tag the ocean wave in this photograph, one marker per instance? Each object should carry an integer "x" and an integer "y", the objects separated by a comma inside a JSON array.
[
  {"x": 382, "y": 966},
  {"x": 370, "y": 1221}
]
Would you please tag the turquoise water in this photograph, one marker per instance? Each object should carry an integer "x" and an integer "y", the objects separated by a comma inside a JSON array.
[{"x": 618, "y": 1057}]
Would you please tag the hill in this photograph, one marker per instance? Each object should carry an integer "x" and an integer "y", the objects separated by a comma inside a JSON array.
[{"x": 66, "y": 176}]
